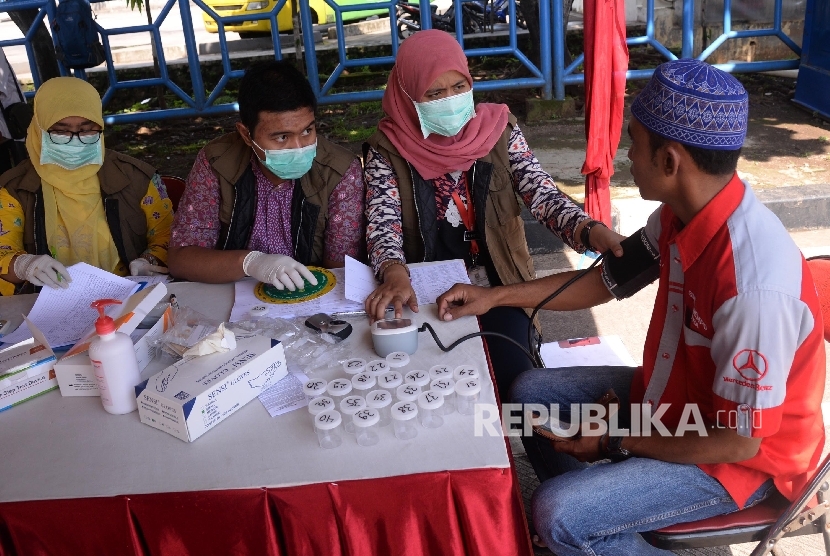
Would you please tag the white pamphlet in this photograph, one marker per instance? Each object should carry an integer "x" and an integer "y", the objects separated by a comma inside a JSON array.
[
  {"x": 286, "y": 395},
  {"x": 65, "y": 315},
  {"x": 429, "y": 280},
  {"x": 594, "y": 351}
]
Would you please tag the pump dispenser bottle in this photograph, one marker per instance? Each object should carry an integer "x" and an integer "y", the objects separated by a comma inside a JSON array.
[{"x": 114, "y": 361}]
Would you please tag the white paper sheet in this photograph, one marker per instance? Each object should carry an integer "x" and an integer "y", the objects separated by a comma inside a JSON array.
[
  {"x": 333, "y": 302},
  {"x": 360, "y": 280},
  {"x": 150, "y": 280},
  {"x": 586, "y": 352},
  {"x": 64, "y": 316},
  {"x": 429, "y": 280},
  {"x": 286, "y": 395}
]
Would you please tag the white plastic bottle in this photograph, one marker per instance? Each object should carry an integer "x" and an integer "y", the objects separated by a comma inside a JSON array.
[{"x": 113, "y": 359}]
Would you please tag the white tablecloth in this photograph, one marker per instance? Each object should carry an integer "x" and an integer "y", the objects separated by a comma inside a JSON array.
[{"x": 54, "y": 447}]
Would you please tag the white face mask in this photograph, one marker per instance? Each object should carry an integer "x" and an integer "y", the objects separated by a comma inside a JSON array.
[
  {"x": 289, "y": 164},
  {"x": 71, "y": 155},
  {"x": 446, "y": 116}
]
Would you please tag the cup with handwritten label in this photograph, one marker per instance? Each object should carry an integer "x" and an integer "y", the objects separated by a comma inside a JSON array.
[
  {"x": 403, "y": 420},
  {"x": 327, "y": 425}
]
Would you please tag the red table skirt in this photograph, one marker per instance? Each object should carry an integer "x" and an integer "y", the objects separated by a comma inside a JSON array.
[{"x": 475, "y": 512}]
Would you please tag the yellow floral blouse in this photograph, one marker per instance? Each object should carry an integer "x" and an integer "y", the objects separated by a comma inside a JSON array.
[{"x": 157, "y": 209}]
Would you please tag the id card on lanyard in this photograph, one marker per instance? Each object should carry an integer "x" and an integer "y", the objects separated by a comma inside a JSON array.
[{"x": 477, "y": 273}]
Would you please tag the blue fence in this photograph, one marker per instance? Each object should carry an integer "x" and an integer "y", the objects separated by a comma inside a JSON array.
[{"x": 551, "y": 75}]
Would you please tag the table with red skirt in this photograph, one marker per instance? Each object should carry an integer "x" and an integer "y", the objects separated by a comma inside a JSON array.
[{"x": 76, "y": 480}]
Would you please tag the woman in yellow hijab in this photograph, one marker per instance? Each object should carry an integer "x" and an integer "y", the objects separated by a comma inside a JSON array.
[{"x": 75, "y": 201}]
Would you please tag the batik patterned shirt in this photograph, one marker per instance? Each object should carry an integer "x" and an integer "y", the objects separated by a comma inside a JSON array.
[{"x": 197, "y": 220}]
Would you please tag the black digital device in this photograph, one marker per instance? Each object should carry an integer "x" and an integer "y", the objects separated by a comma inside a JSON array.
[
  {"x": 638, "y": 267},
  {"x": 323, "y": 323}
]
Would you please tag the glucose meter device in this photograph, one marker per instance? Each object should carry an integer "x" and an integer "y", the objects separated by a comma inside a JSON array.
[{"x": 391, "y": 335}]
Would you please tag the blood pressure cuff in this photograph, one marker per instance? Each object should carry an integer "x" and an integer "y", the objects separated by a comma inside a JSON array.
[{"x": 637, "y": 268}]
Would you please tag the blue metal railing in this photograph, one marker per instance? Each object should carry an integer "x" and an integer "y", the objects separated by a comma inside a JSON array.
[
  {"x": 551, "y": 75},
  {"x": 46, "y": 12},
  {"x": 567, "y": 76}
]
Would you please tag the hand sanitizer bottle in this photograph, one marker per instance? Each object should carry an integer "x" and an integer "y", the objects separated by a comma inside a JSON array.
[{"x": 114, "y": 362}]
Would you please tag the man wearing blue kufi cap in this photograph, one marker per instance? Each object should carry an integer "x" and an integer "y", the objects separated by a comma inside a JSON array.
[{"x": 726, "y": 409}]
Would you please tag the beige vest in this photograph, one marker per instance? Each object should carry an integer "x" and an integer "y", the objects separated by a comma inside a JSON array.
[{"x": 230, "y": 159}]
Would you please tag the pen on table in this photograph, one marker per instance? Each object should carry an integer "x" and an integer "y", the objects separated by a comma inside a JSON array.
[
  {"x": 355, "y": 313},
  {"x": 55, "y": 256}
]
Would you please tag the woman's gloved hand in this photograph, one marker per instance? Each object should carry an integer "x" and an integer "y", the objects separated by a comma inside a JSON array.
[
  {"x": 279, "y": 270},
  {"x": 143, "y": 267},
  {"x": 41, "y": 270}
]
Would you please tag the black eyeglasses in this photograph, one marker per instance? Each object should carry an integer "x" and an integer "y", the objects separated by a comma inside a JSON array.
[{"x": 64, "y": 137}]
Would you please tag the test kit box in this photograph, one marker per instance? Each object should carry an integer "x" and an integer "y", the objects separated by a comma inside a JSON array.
[
  {"x": 74, "y": 370},
  {"x": 26, "y": 370},
  {"x": 193, "y": 395}
]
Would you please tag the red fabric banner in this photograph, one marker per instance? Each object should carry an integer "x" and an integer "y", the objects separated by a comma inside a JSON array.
[
  {"x": 474, "y": 512},
  {"x": 606, "y": 61}
]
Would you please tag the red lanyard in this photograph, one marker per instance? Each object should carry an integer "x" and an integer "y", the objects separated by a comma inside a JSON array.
[{"x": 468, "y": 216}]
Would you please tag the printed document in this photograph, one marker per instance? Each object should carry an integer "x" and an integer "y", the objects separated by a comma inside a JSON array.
[
  {"x": 64, "y": 316},
  {"x": 286, "y": 395},
  {"x": 429, "y": 280}
]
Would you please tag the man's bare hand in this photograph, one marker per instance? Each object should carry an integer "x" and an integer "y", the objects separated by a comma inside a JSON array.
[{"x": 462, "y": 300}]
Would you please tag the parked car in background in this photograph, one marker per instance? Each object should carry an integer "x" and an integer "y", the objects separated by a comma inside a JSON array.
[{"x": 321, "y": 13}]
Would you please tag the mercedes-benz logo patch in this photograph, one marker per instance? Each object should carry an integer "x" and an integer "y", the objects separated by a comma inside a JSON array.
[{"x": 750, "y": 364}]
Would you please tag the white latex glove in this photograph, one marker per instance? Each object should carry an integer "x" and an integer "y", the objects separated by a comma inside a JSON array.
[
  {"x": 41, "y": 270},
  {"x": 142, "y": 267},
  {"x": 280, "y": 270}
]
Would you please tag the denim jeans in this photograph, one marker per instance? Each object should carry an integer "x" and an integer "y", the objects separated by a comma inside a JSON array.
[{"x": 593, "y": 509}]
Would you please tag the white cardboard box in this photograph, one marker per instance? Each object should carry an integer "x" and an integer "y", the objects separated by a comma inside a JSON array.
[
  {"x": 193, "y": 395},
  {"x": 74, "y": 370},
  {"x": 26, "y": 370},
  {"x": 76, "y": 376}
]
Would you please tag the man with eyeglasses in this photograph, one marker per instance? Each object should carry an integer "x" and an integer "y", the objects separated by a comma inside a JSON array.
[{"x": 75, "y": 201}]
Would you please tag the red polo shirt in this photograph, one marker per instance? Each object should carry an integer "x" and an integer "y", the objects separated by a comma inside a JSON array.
[{"x": 737, "y": 330}]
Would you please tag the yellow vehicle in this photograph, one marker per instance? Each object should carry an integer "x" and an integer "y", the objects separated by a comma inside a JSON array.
[{"x": 320, "y": 13}]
